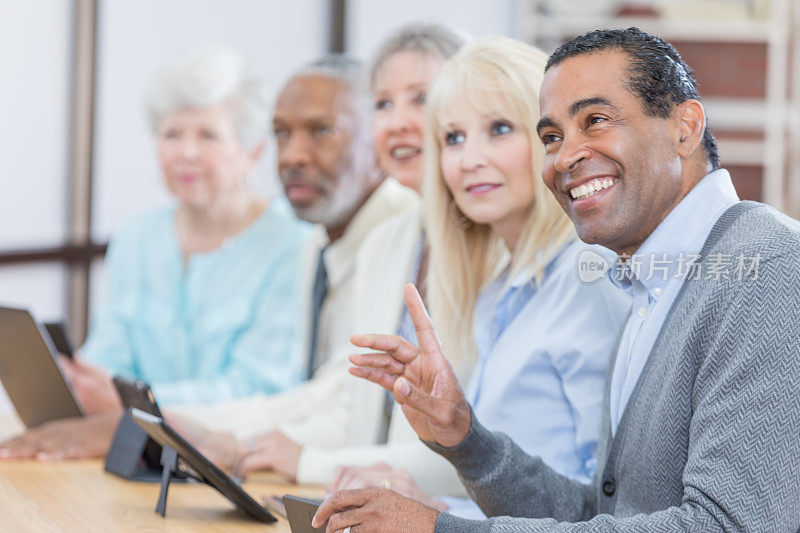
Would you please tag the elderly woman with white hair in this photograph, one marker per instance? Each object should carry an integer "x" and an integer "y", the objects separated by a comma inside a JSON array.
[{"x": 201, "y": 297}]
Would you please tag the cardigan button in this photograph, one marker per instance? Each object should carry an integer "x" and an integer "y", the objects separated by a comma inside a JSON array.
[{"x": 609, "y": 487}]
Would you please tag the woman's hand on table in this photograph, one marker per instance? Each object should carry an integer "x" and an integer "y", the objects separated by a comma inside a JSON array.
[
  {"x": 273, "y": 451},
  {"x": 222, "y": 449},
  {"x": 382, "y": 476},
  {"x": 70, "y": 438}
]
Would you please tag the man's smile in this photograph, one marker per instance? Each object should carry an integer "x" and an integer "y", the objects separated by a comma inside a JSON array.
[{"x": 591, "y": 187}]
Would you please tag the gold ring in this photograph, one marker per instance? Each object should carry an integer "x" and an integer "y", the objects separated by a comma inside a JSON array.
[{"x": 386, "y": 484}]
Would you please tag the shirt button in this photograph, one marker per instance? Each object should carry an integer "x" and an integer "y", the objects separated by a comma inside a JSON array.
[
  {"x": 609, "y": 487},
  {"x": 657, "y": 291},
  {"x": 641, "y": 312}
]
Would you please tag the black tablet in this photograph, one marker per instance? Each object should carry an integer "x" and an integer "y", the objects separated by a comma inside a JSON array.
[
  {"x": 138, "y": 394},
  {"x": 60, "y": 337},
  {"x": 30, "y": 372},
  {"x": 198, "y": 466},
  {"x": 299, "y": 512}
]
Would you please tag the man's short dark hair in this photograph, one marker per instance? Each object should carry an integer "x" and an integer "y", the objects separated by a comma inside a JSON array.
[{"x": 658, "y": 74}]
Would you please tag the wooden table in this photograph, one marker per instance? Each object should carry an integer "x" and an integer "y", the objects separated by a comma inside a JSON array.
[{"x": 81, "y": 496}]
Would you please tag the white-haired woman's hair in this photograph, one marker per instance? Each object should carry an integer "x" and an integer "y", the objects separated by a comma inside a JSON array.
[
  {"x": 495, "y": 75},
  {"x": 423, "y": 37},
  {"x": 207, "y": 76}
]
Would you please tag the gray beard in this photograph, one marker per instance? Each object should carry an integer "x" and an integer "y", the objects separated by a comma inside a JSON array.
[{"x": 332, "y": 211}]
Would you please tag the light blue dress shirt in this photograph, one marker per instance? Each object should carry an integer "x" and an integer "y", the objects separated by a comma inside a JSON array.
[
  {"x": 543, "y": 354},
  {"x": 654, "y": 274},
  {"x": 226, "y": 324}
]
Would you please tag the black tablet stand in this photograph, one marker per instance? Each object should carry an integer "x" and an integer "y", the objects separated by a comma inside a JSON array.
[
  {"x": 170, "y": 473},
  {"x": 169, "y": 459},
  {"x": 125, "y": 456}
]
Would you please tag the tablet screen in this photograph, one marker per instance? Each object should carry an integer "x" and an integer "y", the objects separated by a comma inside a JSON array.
[
  {"x": 29, "y": 371},
  {"x": 200, "y": 467}
]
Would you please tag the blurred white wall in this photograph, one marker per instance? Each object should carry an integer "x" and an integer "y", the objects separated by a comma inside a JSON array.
[
  {"x": 35, "y": 41},
  {"x": 136, "y": 37},
  {"x": 371, "y": 21},
  {"x": 34, "y": 106}
]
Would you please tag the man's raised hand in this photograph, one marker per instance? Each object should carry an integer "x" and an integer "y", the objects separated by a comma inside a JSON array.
[{"x": 421, "y": 379}]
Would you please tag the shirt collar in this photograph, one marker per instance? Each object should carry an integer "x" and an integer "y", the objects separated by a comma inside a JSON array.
[
  {"x": 526, "y": 276},
  {"x": 680, "y": 236},
  {"x": 340, "y": 255}
]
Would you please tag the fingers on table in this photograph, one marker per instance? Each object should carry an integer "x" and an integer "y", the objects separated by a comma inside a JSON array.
[
  {"x": 347, "y": 480},
  {"x": 360, "y": 477},
  {"x": 336, "y": 482},
  {"x": 18, "y": 448},
  {"x": 260, "y": 459}
]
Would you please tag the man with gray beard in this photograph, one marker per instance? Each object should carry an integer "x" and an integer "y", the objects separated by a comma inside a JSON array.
[{"x": 329, "y": 174}]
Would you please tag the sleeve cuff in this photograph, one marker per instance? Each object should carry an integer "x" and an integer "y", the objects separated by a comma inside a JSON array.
[
  {"x": 317, "y": 466},
  {"x": 476, "y": 455},
  {"x": 447, "y": 523}
]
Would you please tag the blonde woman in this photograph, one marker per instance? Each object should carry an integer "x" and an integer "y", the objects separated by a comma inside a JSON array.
[{"x": 511, "y": 312}]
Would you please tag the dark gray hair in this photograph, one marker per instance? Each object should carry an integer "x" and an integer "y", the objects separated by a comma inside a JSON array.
[
  {"x": 427, "y": 38},
  {"x": 350, "y": 72},
  {"x": 338, "y": 66}
]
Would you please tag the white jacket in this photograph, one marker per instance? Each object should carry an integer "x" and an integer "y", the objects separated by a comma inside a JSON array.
[
  {"x": 318, "y": 412},
  {"x": 383, "y": 267}
]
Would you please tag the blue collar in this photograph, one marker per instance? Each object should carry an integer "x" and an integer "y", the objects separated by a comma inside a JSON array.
[{"x": 680, "y": 236}]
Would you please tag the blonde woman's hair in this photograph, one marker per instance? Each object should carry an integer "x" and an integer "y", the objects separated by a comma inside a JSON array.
[{"x": 495, "y": 75}]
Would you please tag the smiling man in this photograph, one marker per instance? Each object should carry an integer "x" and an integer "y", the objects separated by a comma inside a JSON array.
[{"x": 700, "y": 429}]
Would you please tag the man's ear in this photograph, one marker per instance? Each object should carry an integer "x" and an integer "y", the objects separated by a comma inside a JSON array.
[{"x": 690, "y": 121}]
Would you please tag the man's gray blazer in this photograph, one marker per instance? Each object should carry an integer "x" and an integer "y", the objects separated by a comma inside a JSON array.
[{"x": 710, "y": 439}]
